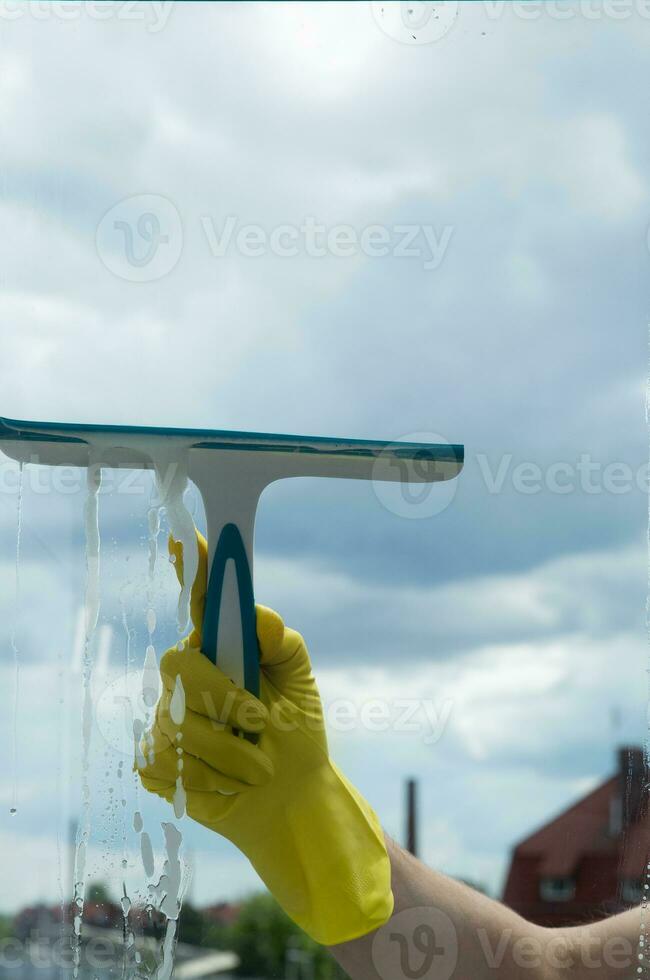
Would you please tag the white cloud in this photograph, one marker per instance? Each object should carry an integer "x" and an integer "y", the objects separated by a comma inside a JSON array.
[
  {"x": 588, "y": 158},
  {"x": 591, "y": 594}
]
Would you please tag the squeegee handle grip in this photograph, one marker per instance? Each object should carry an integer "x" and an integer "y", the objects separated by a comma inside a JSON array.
[{"x": 230, "y": 546}]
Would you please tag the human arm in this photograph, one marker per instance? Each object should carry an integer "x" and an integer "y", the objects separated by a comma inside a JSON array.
[{"x": 442, "y": 929}]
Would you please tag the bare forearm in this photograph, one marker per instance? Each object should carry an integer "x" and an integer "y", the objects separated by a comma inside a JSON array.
[
  {"x": 609, "y": 948},
  {"x": 443, "y": 928}
]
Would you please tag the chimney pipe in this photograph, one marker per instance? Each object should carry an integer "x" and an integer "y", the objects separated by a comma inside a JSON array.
[
  {"x": 412, "y": 816},
  {"x": 633, "y": 778}
]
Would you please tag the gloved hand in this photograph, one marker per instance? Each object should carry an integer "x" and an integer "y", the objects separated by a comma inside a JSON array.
[{"x": 312, "y": 838}]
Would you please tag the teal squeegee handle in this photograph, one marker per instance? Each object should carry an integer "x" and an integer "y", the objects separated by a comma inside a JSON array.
[{"x": 231, "y": 546}]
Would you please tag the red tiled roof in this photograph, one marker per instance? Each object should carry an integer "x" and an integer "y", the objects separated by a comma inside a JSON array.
[
  {"x": 579, "y": 844},
  {"x": 581, "y": 828},
  {"x": 223, "y": 913}
]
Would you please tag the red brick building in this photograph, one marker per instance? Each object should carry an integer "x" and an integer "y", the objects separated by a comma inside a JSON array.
[
  {"x": 590, "y": 861},
  {"x": 222, "y": 914}
]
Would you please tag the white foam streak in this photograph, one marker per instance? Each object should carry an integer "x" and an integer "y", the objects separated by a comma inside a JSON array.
[{"x": 171, "y": 481}]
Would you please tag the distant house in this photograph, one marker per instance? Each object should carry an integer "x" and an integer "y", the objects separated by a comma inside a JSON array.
[
  {"x": 37, "y": 919},
  {"x": 45, "y": 920},
  {"x": 222, "y": 914},
  {"x": 590, "y": 861}
]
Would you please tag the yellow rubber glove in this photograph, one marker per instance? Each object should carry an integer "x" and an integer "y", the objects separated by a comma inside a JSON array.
[{"x": 312, "y": 838}]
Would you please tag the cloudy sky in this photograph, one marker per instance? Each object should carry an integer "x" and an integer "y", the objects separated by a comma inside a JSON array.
[{"x": 361, "y": 227}]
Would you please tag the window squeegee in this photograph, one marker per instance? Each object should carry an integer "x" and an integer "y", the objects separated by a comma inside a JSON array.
[{"x": 230, "y": 469}]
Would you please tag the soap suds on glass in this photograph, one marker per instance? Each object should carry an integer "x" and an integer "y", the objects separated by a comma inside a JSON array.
[
  {"x": 171, "y": 484},
  {"x": 167, "y": 895},
  {"x": 92, "y": 604},
  {"x": 110, "y": 841},
  {"x": 644, "y": 938},
  {"x": 14, "y": 646},
  {"x": 177, "y": 715}
]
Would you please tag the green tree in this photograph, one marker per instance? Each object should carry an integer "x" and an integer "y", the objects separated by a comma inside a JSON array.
[
  {"x": 217, "y": 936},
  {"x": 262, "y": 935},
  {"x": 98, "y": 892},
  {"x": 191, "y": 925}
]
